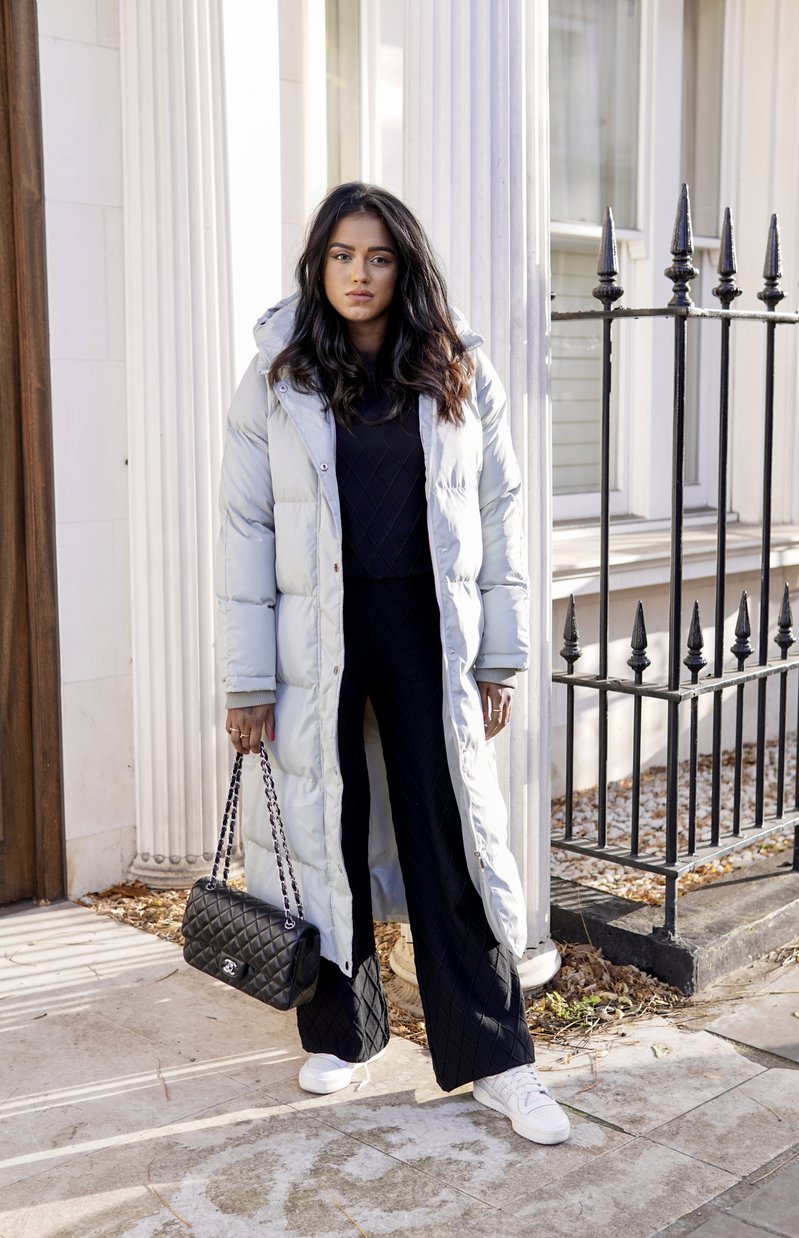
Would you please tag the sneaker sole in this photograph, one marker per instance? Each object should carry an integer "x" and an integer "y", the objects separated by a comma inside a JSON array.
[
  {"x": 548, "y": 1137},
  {"x": 318, "y": 1088},
  {"x": 321, "y": 1088}
]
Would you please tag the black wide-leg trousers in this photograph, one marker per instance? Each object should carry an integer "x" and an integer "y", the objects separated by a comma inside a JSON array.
[{"x": 469, "y": 986}]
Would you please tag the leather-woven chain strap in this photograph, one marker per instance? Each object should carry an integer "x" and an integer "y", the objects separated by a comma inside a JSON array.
[
  {"x": 276, "y": 822},
  {"x": 228, "y": 829},
  {"x": 228, "y": 825}
]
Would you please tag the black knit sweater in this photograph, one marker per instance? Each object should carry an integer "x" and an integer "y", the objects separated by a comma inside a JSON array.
[{"x": 381, "y": 482}]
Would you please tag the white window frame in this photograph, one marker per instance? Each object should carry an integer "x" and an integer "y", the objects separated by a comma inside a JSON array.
[
  {"x": 643, "y": 485},
  {"x": 584, "y": 505}
]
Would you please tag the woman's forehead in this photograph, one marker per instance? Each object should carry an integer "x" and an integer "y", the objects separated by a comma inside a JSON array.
[{"x": 362, "y": 231}]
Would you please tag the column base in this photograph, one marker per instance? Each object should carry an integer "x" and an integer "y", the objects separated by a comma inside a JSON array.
[
  {"x": 537, "y": 967},
  {"x": 403, "y": 988},
  {"x": 171, "y": 872}
]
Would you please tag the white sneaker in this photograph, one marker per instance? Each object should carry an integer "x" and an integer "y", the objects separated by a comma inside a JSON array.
[
  {"x": 522, "y": 1096},
  {"x": 324, "y": 1072}
]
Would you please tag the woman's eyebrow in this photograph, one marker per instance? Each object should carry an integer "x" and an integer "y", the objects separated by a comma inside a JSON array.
[{"x": 372, "y": 249}]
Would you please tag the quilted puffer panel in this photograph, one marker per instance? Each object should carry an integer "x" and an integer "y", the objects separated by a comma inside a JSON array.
[{"x": 239, "y": 939}]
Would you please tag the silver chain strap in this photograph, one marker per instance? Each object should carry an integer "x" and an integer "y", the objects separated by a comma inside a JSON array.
[{"x": 229, "y": 818}]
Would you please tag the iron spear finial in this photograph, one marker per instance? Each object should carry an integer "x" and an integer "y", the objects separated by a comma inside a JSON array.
[
  {"x": 682, "y": 270},
  {"x": 771, "y": 294},
  {"x": 742, "y": 648},
  {"x": 607, "y": 267},
  {"x": 571, "y": 650},
  {"x": 695, "y": 661},
  {"x": 638, "y": 660},
  {"x": 727, "y": 290},
  {"x": 785, "y": 637}
]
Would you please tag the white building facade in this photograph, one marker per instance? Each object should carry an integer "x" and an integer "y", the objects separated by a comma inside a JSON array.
[{"x": 185, "y": 143}]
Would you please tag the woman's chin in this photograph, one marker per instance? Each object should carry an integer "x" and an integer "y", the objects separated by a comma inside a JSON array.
[{"x": 354, "y": 309}]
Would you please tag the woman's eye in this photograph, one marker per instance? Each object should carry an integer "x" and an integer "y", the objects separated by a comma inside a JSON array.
[{"x": 340, "y": 254}]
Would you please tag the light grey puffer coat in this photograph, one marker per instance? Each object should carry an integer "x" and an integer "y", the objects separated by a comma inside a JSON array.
[{"x": 280, "y": 591}]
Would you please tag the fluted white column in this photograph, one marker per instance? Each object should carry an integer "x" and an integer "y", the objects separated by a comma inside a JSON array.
[
  {"x": 476, "y": 170},
  {"x": 179, "y": 381}
]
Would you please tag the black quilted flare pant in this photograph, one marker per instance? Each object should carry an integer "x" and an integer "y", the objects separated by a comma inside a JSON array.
[{"x": 469, "y": 986}]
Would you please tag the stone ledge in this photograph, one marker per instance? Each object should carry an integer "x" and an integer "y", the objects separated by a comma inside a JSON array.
[{"x": 720, "y": 927}]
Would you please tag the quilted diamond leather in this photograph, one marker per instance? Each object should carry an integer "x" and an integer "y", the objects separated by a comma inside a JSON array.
[{"x": 236, "y": 937}]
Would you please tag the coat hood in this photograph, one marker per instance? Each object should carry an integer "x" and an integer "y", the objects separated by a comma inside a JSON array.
[{"x": 273, "y": 329}]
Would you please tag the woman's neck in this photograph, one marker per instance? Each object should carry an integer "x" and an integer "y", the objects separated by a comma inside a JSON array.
[{"x": 367, "y": 338}]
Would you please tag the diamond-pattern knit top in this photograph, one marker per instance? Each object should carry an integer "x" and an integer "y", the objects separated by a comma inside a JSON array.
[{"x": 381, "y": 482}]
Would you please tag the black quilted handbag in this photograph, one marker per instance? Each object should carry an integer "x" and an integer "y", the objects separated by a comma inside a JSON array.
[{"x": 265, "y": 951}]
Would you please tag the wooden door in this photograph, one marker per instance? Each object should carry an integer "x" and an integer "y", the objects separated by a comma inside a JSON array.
[{"x": 31, "y": 811}]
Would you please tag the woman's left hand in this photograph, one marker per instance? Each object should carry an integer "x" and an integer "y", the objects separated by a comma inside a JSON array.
[{"x": 497, "y": 704}]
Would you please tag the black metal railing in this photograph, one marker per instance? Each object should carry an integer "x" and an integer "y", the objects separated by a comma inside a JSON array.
[{"x": 677, "y": 859}]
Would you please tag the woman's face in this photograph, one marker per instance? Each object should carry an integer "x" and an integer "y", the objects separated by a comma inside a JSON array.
[{"x": 360, "y": 273}]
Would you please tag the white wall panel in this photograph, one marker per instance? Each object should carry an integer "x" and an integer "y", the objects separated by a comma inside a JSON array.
[{"x": 82, "y": 143}]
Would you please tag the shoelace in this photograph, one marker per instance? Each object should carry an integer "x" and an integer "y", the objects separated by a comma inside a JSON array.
[
  {"x": 522, "y": 1080},
  {"x": 367, "y": 1076}
]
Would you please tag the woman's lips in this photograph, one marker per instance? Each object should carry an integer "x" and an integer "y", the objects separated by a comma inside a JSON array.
[{"x": 361, "y": 296}]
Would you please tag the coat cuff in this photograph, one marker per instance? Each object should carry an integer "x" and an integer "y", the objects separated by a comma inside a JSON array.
[
  {"x": 496, "y": 674},
  {"x": 243, "y": 700}
]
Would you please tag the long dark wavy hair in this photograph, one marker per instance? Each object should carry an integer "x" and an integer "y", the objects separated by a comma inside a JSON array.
[{"x": 422, "y": 354}]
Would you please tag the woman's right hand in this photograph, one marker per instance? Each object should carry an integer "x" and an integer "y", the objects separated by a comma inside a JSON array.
[{"x": 246, "y": 726}]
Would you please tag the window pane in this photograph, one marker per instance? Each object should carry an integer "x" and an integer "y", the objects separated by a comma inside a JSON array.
[
  {"x": 703, "y": 47},
  {"x": 701, "y": 378},
  {"x": 593, "y": 72},
  {"x": 576, "y": 379}
]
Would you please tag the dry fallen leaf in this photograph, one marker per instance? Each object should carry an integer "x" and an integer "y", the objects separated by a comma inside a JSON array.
[{"x": 660, "y": 1050}]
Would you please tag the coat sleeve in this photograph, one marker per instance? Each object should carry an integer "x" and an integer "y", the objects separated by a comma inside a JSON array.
[
  {"x": 503, "y": 578},
  {"x": 245, "y": 552}
]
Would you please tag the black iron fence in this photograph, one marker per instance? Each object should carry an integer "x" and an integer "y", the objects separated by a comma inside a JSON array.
[{"x": 679, "y": 691}]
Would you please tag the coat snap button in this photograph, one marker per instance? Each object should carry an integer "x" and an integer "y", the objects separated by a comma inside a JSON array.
[
  {"x": 335, "y": 670},
  {"x": 282, "y": 387},
  {"x": 335, "y": 567},
  {"x": 323, "y": 467}
]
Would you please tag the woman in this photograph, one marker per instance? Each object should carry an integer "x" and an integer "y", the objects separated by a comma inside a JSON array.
[{"x": 374, "y": 603}]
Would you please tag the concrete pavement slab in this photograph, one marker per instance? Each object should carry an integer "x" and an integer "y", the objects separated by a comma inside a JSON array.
[
  {"x": 632, "y": 1191},
  {"x": 774, "y": 1206},
  {"x": 239, "y": 1171},
  {"x": 650, "y": 1075},
  {"x": 745, "y": 1126},
  {"x": 203, "y": 1018},
  {"x": 719, "y": 1209},
  {"x": 784, "y": 979},
  {"x": 87, "y": 1079},
  {"x": 726, "y": 1226},
  {"x": 453, "y": 1139},
  {"x": 768, "y": 1021},
  {"x": 67, "y": 958},
  {"x": 755, "y": 1006}
]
